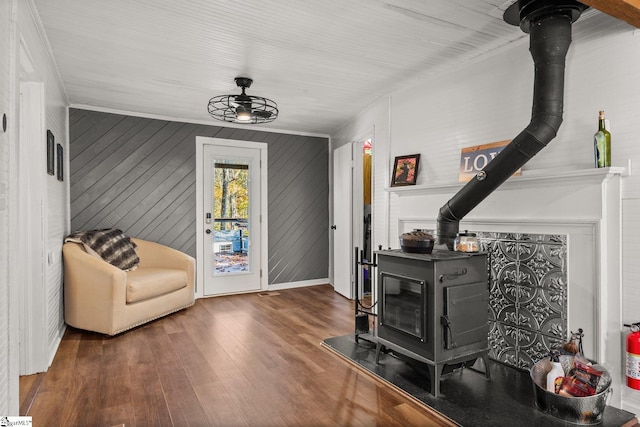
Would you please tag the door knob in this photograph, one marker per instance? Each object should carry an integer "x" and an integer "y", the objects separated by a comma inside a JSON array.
[
  {"x": 333, "y": 227},
  {"x": 207, "y": 231}
]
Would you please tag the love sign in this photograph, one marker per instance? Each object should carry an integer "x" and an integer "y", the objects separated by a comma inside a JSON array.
[{"x": 474, "y": 159}]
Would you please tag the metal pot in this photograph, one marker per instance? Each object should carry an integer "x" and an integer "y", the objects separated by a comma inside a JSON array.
[
  {"x": 578, "y": 410},
  {"x": 417, "y": 241}
]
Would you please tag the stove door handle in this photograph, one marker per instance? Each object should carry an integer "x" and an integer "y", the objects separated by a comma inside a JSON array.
[{"x": 452, "y": 276}]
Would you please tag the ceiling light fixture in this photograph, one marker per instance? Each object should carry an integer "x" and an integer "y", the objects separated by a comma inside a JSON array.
[{"x": 243, "y": 108}]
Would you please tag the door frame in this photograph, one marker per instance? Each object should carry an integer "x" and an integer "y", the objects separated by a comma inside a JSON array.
[
  {"x": 357, "y": 208},
  {"x": 201, "y": 141},
  {"x": 31, "y": 204},
  {"x": 356, "y": 233}
]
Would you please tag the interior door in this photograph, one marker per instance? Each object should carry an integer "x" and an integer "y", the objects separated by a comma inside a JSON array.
[
  {"x": 343, "y": 220},
  {"x": 232, "y": 219}
]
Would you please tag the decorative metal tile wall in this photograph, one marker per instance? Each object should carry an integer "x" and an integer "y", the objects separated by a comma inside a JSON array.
[{"x": 528, "y": 302}]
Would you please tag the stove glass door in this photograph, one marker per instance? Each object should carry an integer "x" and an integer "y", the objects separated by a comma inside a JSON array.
[{"x": 403, "y": 301}]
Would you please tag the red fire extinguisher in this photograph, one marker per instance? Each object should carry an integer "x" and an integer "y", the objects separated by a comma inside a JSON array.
[{"x": 633, "y": 357}]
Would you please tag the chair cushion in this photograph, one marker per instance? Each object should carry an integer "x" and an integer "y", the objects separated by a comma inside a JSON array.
[{"x": 148, "y": 282}]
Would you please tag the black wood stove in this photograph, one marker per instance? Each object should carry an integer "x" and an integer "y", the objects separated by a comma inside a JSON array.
[{"x": 434, "y": 308}]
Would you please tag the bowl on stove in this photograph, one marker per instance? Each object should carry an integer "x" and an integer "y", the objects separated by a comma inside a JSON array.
[{"x": 417, "y": 241}]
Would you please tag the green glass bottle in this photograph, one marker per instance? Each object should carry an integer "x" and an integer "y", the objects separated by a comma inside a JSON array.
[{"x": 602, "y": 144}]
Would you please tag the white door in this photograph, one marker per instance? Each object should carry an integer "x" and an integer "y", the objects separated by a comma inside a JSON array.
[
  {"x": 343, "y": 220},
  {"x": 232, "y": 207}
]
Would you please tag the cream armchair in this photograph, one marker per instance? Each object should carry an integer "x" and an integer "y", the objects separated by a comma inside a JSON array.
[{"x": 102, "y": 298}]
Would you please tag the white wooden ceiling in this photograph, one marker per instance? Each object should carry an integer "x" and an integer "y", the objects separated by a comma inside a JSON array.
[{"x": 322, "y": 61}]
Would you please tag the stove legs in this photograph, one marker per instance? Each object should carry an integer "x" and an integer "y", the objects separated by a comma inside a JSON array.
[
  {"x": 487, "y": 371},
  {"x": 434, "y": 375},
  {"x": 379, "y": 348},
  {"x": 435, "y": 370}
]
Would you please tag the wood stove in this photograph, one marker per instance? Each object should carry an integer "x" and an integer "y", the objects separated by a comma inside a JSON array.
[{"x": 434, "y": 308}]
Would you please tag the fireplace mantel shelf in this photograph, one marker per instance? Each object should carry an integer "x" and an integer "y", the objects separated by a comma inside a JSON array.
[{"x": 534, "y": 178}]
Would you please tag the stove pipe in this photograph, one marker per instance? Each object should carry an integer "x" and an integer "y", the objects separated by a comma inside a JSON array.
[{"x": 549, "y": 24}]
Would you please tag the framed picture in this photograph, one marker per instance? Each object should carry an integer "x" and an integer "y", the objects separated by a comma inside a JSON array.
[
  {"x": 50, "y": 153},
  {"x": 405, "y": 170},
  {"x": 60, "y": 162}
]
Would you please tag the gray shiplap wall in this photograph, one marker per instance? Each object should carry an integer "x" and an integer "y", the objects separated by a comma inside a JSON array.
[{"x": 139, "y": 175}]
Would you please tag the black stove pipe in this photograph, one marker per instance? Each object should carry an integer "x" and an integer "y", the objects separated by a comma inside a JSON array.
[{"x": 549, "y": 24}]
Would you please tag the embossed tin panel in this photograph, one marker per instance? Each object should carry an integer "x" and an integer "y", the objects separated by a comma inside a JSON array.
[{"x": 528, "y": 301}]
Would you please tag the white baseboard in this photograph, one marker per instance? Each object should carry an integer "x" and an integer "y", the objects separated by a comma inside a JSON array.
[
  {"x": 53, "y": 347},
  {"x": 301, "y": 284},
  {"x": 631, "y": 400}
]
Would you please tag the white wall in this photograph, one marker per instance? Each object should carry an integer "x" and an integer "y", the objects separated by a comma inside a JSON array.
[
  {"x": 8, "y": 342},
  {"x": 490, "y": 100},
  {"x": 20, "y": 24},
  {"x": 55, "y": 198}
]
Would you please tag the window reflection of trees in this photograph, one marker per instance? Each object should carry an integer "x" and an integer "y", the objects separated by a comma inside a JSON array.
[{"x": 230, "y": 194}]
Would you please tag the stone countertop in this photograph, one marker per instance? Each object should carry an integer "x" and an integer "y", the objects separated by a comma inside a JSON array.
[{"x": 467, "y": 397}]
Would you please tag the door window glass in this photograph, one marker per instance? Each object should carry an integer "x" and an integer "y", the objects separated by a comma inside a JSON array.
[{"x": 231, "y": 231}]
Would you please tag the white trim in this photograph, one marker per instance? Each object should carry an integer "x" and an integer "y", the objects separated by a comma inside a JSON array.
[
  {"x": 199, "y": 285},
  {"x": 387, "y": 173},
  {"x": 300, "y": 284},
  {"x": 199, "y": 122},
  {"x": 330, "y": 204},
  {"x": 55, "y": 343},
  {"x": 13, "y": 309},
  {"x": 631, "y": 400},
  {"x": 531, "y": 178},
  {"x": 31, "y": 247},
  {"x": 549, "y": 225},
  {"x": 199, "y": 293}
]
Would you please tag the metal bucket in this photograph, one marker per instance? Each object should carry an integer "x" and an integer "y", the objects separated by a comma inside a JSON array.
[{"x": 578, "y": 410}]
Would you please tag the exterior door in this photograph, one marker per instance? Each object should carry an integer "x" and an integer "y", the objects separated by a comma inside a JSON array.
[
  {"x": 343, "y": 220},
  {"x": 232, "y": 203}
]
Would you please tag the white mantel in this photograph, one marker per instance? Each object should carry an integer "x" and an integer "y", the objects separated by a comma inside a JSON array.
[
  {"x": 534, "y": 178},
  {"x": 585, "y": 205}
]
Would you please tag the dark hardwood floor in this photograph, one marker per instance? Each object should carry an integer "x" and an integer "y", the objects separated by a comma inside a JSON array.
[{"x": 244, "y": 360}]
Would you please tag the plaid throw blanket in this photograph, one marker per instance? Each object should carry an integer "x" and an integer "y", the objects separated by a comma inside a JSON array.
[{"x": 109, "y": 244}]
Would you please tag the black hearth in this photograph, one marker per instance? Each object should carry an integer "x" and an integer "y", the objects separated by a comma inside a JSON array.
[
  {"x": 469, "y": 400},
  {"x": 434, "y": 308}
]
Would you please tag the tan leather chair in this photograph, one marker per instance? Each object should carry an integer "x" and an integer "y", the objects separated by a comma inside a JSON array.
[{"x": 103, "y": 298}]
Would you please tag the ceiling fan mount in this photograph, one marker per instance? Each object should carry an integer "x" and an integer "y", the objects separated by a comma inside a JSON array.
[
  {"x": 243, "y": 82},
  {"x": 243, "y": 108}
]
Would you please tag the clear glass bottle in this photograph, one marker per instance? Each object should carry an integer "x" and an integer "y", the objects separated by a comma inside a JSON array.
[
  {"x": 466, "y": 242},
  {"x": 602, "y": 144}
]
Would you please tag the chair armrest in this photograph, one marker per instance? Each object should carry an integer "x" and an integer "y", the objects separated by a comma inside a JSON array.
[
  {"x": 94, "y": 289},
  {"x": 84, "y": 268}
]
